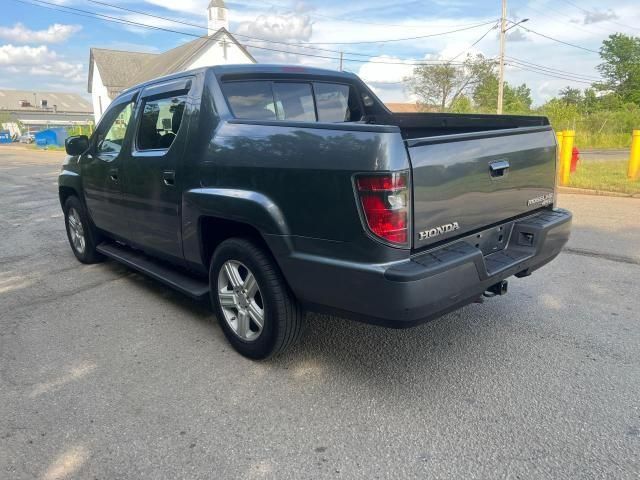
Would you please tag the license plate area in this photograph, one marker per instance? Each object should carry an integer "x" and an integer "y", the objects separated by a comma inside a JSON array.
[{"x": 492, "y": 239}]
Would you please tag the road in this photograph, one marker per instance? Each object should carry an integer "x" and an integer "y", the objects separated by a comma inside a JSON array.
[
  {"x": 603, "y": 155},
  {"x": 105, "y": 374}
]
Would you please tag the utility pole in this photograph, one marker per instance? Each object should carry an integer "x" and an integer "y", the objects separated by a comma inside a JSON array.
[
  {"x": 503, "y": 33},
  {"x": 341, "y": 60}
]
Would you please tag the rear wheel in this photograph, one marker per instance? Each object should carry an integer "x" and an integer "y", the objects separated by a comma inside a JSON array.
[
  {"x": 81, "y": 234},
  {"x": 257, "y": 312}
]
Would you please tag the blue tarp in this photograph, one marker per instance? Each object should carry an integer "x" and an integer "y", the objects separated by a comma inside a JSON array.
[
  {"x": 5, "y": 136},
  {"x": 51, "y": 136}
]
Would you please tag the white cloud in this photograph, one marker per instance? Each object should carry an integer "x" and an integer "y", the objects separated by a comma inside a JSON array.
[
  {"x": 596, "y": 17},
  {"x": 11, "y": 55},
  {"x": 393, "y": 70},
  {"x": 39, "y": 61},
  {"x": 278, "y": 27},
  {"x": 56, "y": 33}
]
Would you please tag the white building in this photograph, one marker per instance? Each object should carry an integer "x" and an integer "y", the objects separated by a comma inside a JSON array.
[{"x": 111, "y": 71}]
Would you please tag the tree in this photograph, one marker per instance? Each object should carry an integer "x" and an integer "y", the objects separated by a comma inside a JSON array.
[
  {"x": 515, "y": 100},
  {"x": 435, "y": 84},
  {"x": 571, "y": 95},
  {"x": 444, "y": 84},
  {"x": 620, "y": 67}
]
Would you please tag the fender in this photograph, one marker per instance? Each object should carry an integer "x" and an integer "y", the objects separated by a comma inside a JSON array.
[
  {"x": 69, "y": 179},
  {"x": 243, "y": 206}
]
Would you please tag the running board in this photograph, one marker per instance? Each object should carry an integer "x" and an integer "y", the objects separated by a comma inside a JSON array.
[{"x": 184, "y": 283}]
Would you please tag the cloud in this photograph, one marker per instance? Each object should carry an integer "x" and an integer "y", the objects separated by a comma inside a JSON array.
[
  {"x": 40, "y": 62},
  {"x": 278, "y": 27},
  {"x": 517, "y": 35},
  {"x": 393, "y": 71},
  {"x": 56, "y": 33},
  {"x": 11, "y": 55},
  {"x": 597, "y": 17}
]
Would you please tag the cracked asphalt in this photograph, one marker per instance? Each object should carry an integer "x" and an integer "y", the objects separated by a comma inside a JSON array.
[{"x": 105, "y": 374}]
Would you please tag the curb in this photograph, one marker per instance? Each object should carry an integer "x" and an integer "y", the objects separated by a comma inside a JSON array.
[{"x": 601, "y": 193}]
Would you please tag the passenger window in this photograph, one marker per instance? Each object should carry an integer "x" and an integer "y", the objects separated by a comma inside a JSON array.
[
  {"x": 294, "y": 101},
  {"x": 336, "y": 103},
  {"x": 250, "y": 100},
  {"x": 160, "y": 122},
  {"x": 110, "y": 143}
]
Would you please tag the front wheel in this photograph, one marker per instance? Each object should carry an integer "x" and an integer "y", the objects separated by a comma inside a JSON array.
[
  {"x": 82, "y": 236},
  {"x": 257, "y": 312}
]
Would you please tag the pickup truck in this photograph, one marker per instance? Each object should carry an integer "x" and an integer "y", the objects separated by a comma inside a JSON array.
[{"x": 276, "y": 190}]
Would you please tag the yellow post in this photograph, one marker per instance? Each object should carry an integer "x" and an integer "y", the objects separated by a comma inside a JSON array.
[
  {"x": 559, "y": 134},
  {"x": 634, "y": 156},
  {"x": 565, "y": 160}
]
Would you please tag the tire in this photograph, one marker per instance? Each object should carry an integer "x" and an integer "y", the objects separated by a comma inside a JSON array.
[
  {"x": 85, "y": 248},
  {"x": 282, "y": 320}
]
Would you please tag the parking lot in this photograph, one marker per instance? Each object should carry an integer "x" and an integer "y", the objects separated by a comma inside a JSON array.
[{"x": 106, "y": 374}]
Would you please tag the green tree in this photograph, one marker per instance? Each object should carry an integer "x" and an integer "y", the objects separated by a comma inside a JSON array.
[
  {"x": 515, "y": 100},
  {"x": 620, "y": 67},
  {"x": 571, "y": 95},
  {"x": 441, "y": 85}
]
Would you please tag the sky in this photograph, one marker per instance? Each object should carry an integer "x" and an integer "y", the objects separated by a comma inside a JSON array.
[{"x": 48, "y": 48}]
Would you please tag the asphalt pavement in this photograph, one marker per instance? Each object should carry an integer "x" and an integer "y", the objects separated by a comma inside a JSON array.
[
  {"x": 604, "y": 155},
  {"x": 105, "y": 374}
]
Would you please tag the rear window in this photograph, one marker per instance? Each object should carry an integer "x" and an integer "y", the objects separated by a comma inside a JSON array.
[
  {"x": 333, "y": 102},
  {"x": 293, "y": 101},
  {"x": 251, "y": 100}
]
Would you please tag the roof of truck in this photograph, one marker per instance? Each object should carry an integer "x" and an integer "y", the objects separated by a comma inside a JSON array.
[
  {"x": 248, "y": 69},
  {"x": 276, "y": 68}
]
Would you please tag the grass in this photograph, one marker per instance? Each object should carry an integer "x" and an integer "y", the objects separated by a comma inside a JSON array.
[
  {"x": 607, "y": 176},
  {"x": 602, "y": 140}
]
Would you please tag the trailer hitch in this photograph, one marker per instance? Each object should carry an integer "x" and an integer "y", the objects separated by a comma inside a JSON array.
[{"x": 499, "y": 288}]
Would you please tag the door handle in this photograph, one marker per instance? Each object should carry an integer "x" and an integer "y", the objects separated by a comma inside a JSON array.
[
  {"x": 113, "y": 174},
  {"x": 169, "y": 178},
  {"x": 499, "y": 169}
]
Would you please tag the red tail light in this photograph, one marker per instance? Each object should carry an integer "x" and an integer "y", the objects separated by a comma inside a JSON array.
[{"x": 385, "y": 205}]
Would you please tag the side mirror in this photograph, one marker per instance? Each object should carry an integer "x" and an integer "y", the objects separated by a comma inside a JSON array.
[{"x": 76, "y": 145}]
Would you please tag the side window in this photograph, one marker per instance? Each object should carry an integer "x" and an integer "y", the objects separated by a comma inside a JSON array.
[
  {"x": 294, "y": 101},
  {"x": 160, "y": 122},
  {"x": 110, "y": 142},
  {"x": 336, "y": 103},
  {"x": 250, "y": 100}
]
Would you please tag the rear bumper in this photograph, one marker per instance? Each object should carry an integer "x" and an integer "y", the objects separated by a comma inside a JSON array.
[{"x": 428, "y": 284}]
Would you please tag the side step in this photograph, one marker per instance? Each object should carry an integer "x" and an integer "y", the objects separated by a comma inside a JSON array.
[{"x": 174, "y": 278}]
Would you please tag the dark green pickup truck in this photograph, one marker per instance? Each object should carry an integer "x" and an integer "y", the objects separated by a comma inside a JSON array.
[{"x": 274, "y": 190}]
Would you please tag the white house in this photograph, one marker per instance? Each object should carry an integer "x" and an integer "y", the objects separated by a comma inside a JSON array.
[{"x": 111, "y": 71}]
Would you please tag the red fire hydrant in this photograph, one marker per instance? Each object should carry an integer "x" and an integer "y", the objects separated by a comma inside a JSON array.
[{"x": 575, "y": 158}]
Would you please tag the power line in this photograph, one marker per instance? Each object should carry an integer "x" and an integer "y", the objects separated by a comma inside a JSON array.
[
  {"x": 562, "y": 14},
  {"x": 301, "y": 45},
  {"x": 144, "y": 25},
  {"x": 557, "y": 40},
  {"x": 553, "y": 70},
  {"x": 595, "y": 13},
  {"x": 364, "y": 22},
  {"x": 493, "y": 27},
  {"x": 548, "y": 74},
  {"x": 272, "y": 41}
]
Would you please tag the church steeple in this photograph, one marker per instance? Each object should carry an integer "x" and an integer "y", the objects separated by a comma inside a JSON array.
[{"x": 217, "y": 15}]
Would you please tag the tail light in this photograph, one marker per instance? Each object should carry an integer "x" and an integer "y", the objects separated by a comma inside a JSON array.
[{"x": 385, "y": 205}]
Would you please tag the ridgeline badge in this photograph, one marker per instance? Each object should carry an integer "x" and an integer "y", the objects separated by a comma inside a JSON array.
[{"x": 542, "y": 200}]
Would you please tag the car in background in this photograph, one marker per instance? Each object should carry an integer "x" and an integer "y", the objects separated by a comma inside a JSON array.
[{"x": 27, "y": 138}]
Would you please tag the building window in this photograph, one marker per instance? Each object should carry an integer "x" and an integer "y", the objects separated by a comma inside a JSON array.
[{"x": 221, "y": 14}]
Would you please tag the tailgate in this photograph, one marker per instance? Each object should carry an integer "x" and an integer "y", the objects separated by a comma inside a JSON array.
[{"x": 469, "y": 181}]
